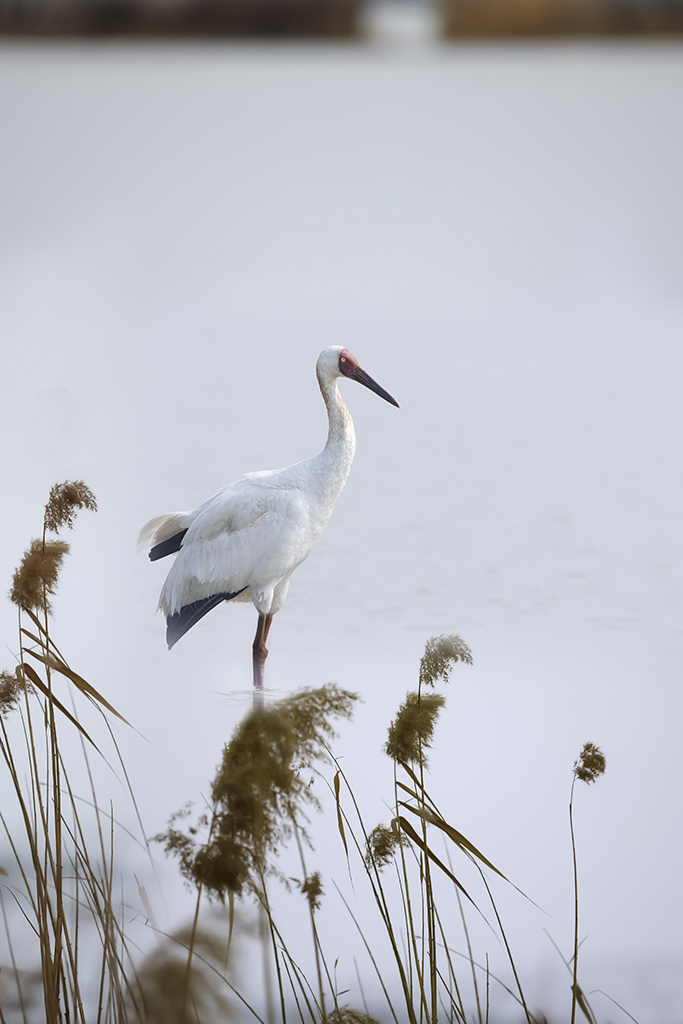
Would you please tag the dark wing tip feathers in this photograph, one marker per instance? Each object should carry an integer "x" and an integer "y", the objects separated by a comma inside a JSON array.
[
  {"x": 178, "y": 624},
  {"x": 168, "y": 546}
]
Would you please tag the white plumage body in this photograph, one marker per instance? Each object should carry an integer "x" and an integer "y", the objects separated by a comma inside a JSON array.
[
  {"x": 246, "y": 540},
  {"x": 251, "y": 535}
]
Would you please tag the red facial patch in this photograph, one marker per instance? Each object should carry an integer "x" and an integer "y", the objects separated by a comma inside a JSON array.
[{"x": 348, "y": 364}]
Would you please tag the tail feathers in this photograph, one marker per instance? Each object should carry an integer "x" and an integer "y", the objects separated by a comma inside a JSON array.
[
  {"x": 178, "y": 624},
  {"x": 163, "y": 527},
  {"x": 167, "y": 547}
]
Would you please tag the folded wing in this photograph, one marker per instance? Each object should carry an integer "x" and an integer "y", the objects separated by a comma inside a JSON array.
[{"x": 241, "y": 542}]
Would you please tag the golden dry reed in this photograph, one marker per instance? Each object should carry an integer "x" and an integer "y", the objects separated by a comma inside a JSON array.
[{"x": 260, "y": 804}]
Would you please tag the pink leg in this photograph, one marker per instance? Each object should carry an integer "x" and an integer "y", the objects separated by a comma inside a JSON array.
[{"x": 260, "y": 650}]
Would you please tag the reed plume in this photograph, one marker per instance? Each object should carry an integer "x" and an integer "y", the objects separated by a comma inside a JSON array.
[
  {"x": 35, "y": 580},
  {"x": 381, "y": 845},
  {"x": 259, "y": 792},
  {"x": 37, "y": 575},
  {"x": 12, "y": 688},
  {"x": 64, "y": 502},
  {"x": 441, "y": 653},
  {"x": 412, "y": 731},
  {"x": 591, "y": 763},
  {"x": 588, "y": 767}
]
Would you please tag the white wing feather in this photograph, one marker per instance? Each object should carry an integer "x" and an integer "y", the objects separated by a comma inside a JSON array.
[{"x": 248, "y": 537}]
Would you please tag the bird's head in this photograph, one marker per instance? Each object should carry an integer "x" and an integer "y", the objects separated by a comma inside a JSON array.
[{"x": 336, "y": 361}]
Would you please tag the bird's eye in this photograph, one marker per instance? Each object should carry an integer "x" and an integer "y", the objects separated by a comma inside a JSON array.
[{"x": 343, "y": 359}]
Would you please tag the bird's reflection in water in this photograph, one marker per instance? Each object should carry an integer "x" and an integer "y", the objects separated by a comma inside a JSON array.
[{"x": 251, "y": 699}]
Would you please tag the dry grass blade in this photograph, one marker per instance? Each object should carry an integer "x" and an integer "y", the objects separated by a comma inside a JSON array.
[
  {"x": 36, "y": 621},
  {"x": 82, "y": 684},
  {"x": 420, "y": 794},
  {"x": 618, "y": 1005},
  {"x": 458, "y": 838},
  {"x": 32, "y": 637},
  {"x": 38, "y": 682},
  {"x": 582, "y": 1003},
  {"x": 14, "y": 896},
  {"x": 373, "y": 961},
  {"x": 412, "y": 834},
  {"x": 340, "y": 819},
  {"x": 406, "y": 789}
]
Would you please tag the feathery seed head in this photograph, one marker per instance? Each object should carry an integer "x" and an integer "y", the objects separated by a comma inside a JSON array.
[
  {"x": 12, "y": 686},
  {"x": 381, "y": 845},
  {"x": 312, "y": 888},
  {"x": 347, "y": 1015},
  {"x": 37, "y": 574},
  {"x": 64, "y": 501},
  {"x": 591, "y": 763},
  {"x": 259, "y": 791},
  {"x": 441, "y": 652},
  {"x": 168, "y": 988},
  {"x": 412, "y": 730}
]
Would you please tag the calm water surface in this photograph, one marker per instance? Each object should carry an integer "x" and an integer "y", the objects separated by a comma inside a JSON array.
[{"x": 495, "y": 233}]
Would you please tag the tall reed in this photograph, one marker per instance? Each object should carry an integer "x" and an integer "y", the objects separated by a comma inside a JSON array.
[
  {"x": 61, "y": 880},
  {"x": 260, "y": 806},
  {"x": 260, "y": 801},
  {"x": 431, "y": 986},
  {"x": 589, "y": 766}
]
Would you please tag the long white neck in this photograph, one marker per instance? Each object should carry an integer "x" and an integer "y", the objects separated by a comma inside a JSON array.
[{"x": 341, "y": 437}]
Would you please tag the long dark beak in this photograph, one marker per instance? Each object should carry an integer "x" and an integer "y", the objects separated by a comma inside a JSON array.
[{"x": 366, "y": 380}]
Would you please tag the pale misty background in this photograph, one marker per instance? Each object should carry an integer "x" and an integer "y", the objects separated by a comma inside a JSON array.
[{"x": 495, "y": 232}]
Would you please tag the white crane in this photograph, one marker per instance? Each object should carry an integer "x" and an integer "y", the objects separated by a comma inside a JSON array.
[{"x": 246, "y": 540}]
